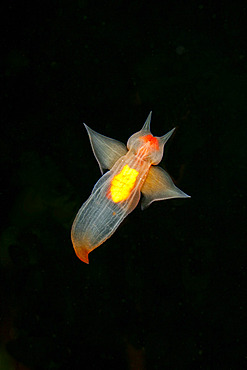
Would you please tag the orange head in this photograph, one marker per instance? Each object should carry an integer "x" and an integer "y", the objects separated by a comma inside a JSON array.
[{"x": 146, "y": 146}]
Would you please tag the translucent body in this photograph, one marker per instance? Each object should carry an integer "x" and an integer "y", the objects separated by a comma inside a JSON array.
[
  {"x": 118, "y": 191},
  {"x": 100, "y": 216}
]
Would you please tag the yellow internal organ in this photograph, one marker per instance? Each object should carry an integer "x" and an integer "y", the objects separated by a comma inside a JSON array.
[{"x": 123, "y": 183}]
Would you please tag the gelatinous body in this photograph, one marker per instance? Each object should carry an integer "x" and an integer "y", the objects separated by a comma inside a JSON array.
[{"x": 132, "y": 170}]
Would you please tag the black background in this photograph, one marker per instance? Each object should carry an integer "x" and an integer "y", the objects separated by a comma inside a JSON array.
[{"x": 168, "y": 289}]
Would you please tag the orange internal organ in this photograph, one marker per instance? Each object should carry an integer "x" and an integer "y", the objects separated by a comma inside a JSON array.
[
  {"x": 123, "y": 183},
  {"x": 153, "y": 140}
]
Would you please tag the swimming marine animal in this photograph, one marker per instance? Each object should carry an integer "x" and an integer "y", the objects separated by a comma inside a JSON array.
[{"x": 132, "y": 171}]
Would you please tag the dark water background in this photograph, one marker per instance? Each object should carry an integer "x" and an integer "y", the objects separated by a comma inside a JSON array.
[{"x": 168, "y": 290}]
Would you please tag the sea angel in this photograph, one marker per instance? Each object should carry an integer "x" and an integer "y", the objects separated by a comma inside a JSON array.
[{"x": 132, "y": 171}]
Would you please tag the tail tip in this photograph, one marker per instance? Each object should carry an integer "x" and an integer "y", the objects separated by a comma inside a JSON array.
[{"x": 82, "y": 254}]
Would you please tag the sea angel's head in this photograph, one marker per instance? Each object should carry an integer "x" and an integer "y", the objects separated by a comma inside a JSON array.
[{"x": 146, "y": 146}]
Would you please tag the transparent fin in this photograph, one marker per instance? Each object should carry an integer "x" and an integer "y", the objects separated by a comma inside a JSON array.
[
  {"x": 106, "y": 150},
  {"x": 159, "y": 186}
]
